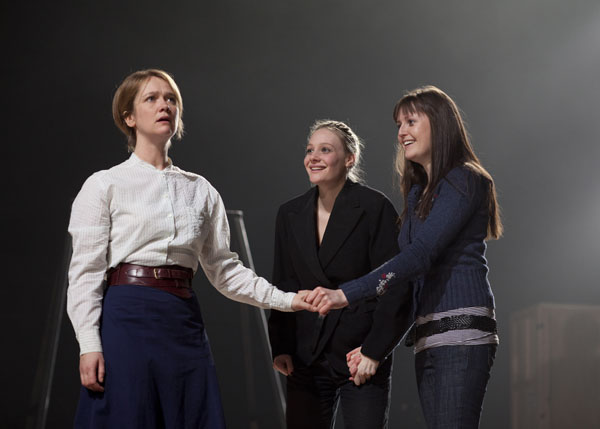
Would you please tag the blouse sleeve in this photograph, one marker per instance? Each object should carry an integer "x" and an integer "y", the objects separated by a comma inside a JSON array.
[
  {"x": 89, "y": 227},
  {"x": 454, "y": 205},
  {"x": 224, "y": 269}
]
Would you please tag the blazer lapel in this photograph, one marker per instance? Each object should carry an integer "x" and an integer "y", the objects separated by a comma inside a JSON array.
[
  {"x": 304, "y": 230},
  {"x": 344, "y": 217}
]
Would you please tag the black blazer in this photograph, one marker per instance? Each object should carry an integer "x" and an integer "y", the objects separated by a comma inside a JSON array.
[{"x": 361, "y": 235}]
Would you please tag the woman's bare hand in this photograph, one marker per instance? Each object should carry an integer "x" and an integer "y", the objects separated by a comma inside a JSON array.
[
  {"x": 91, "y": 371},
  {"x": 326, "y": 300},
  {"x": 283, "y": 364}
]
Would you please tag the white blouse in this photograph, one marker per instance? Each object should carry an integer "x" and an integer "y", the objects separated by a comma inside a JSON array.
[{"x": 138, "y": 214}]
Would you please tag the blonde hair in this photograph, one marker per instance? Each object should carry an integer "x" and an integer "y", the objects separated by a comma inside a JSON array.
[
  {"x": 352, "y": 144},
  {"x": 122, "y": 105}
]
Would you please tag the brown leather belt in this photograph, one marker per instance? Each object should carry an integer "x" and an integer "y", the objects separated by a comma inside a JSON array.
[{"x": 170, "y": 278}]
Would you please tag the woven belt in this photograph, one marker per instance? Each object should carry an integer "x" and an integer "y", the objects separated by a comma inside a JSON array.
[
  {"x": 451, "y": 323},
  {"x": 170, "y": 278}
]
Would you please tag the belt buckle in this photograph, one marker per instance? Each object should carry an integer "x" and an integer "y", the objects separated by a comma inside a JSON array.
[{"x": 156, "y": 276}]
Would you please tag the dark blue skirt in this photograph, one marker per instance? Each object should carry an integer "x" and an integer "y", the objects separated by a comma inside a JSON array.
[{"x": 159, "y": 368}]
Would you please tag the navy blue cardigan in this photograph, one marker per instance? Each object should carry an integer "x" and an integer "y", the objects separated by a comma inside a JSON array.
[{"x": 443, "y": 256}]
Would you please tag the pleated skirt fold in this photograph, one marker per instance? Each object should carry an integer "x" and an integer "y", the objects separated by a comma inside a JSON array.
[{"x": 160, "y": 373}]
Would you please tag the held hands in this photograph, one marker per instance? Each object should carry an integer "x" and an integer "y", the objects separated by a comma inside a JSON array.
[
  {"x": 361, "y": 367},
  {"x": 324, "y": 299},
  {"x": 320, "y": 299},
  {"x": 352, "y": 360},
  {"x": 283, "y": 364},
  {"x": 299, "y": 302},
  {"x": 91, "y": 371}
]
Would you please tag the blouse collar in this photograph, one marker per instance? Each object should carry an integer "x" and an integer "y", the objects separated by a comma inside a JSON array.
[{"x": 134, "y": 158}]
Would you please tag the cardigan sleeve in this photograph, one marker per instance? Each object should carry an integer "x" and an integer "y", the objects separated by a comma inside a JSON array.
[
  {"x": 393, "y": 315},
  {"x": 459, "y": 195}
]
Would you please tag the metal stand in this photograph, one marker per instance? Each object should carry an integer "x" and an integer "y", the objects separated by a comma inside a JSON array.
[
  {"x": 239, "y": 236},
  {"x": 42, "y": 383},
  {"x": 42, "y": 386}
]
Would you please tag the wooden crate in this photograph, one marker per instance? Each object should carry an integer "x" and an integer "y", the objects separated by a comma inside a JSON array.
[{"x": 555, "y": 367}]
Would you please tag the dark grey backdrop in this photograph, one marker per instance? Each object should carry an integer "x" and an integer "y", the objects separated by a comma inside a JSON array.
[{"x": 254, "y": 75}]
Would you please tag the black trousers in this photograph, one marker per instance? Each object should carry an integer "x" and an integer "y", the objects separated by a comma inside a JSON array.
[{"x": 314, "y": 392}]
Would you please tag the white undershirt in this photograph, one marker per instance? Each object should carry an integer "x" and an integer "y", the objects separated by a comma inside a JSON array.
[
  {"x": 138, "y": 214},
  {"x": 457, "y": 337}
]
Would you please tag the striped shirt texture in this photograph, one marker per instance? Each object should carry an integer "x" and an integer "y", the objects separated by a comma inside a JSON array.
[
  {"x": 138, "y": 214},
  {"x": 458, "y": 337}
]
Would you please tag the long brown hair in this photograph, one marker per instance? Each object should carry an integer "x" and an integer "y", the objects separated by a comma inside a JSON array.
[{"x": 450, "y": 148}]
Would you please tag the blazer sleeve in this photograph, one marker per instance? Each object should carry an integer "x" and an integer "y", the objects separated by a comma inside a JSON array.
[
  {"x": 282, "y": 326},
  {"x": 393, "y": 315}
]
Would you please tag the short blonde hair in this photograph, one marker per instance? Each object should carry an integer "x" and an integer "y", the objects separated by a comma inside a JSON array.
[{"x": 122, "y": 105}]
